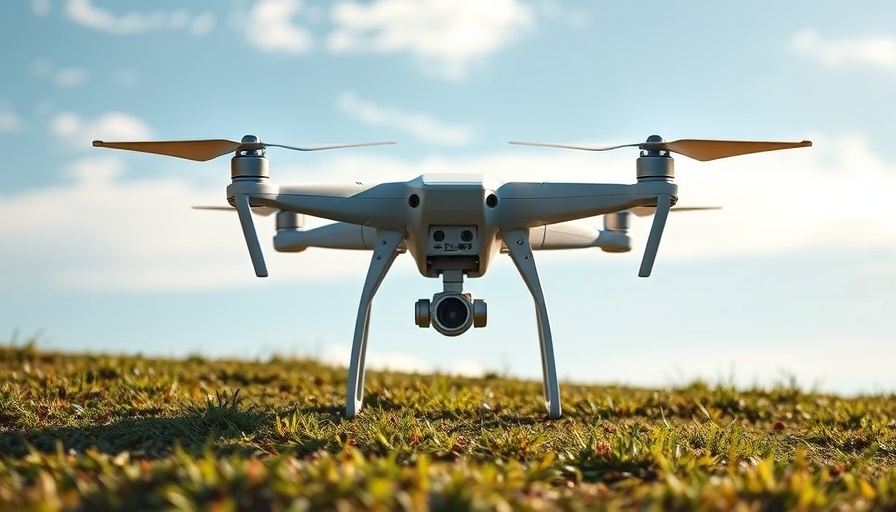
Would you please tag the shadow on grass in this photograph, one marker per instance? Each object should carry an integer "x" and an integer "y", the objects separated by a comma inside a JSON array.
[
  {"x": 219, "y": 421},
  {"x": 228, "y": 427}
]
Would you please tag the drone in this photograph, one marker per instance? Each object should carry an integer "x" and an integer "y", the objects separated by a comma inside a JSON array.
[{"x": 453, "y": 225}]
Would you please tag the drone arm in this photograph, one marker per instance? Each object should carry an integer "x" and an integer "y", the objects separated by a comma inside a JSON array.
[
  {"x": 382, "y": 206},
  {"x": 384, "y": 253},
  {"x": 517, "y": 242},
  {"x": 338, "y": 235},
  {"x": 534, "y": 204},
  {"x": 577, "y": 235}
]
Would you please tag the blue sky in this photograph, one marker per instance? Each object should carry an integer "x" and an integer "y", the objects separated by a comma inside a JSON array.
[{"x": 794, "y": 278}]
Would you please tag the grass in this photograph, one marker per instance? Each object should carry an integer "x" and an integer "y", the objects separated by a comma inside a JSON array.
[{"x": 92, "y": 432}]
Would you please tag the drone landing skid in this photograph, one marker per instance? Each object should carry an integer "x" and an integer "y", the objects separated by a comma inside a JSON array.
[
  {"x": 385, "y": 252},
  {"x": 517, "y": 242}
]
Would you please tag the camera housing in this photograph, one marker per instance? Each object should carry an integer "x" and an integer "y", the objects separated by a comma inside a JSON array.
[{"x": 451, "y": 313}]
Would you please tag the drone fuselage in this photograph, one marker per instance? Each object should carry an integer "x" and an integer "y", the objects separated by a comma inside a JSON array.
[
  {"x": 447, "y": 221},
  {"x": 453, "y": 225}
]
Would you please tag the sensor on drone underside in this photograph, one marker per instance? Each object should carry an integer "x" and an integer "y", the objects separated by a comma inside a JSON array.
[
  {"x": 452, "y": 241},
  {"x": 452, "y": 248}
]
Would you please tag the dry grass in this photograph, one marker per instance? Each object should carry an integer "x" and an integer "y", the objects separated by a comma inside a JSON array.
[{"x": 107, "y": 432}]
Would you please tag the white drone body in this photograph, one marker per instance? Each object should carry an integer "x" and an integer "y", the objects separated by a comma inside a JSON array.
[{"x": 453, "y": 225}]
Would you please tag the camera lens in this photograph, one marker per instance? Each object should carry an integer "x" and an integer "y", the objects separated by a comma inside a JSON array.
[
  {"x": 452, "y": 313},
  {"x": 438, "y": 235},
  {"x": 466, "y": 235}
]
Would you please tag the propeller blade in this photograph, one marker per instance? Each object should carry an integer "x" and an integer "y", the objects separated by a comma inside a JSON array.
[
  {"x": 698, "y": 149},
  {"x": 329, "y": 146},
  {"x": 258, "y": 210},
  {"x": 241, "y": 201},
  {"x": 198, "y": 150},
  {"x": 646, "y": 211},
  {"x": 663, "y": 204},
  {"x": 584, "y": 147},
  {"x": 215, "y": 208},
  {"x": 204, "y": 150},
  {"x": 705, "y": 150}
]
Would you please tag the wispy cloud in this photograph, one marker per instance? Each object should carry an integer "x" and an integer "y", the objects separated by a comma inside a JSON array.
[
  {"x": 9, "y": 120},
  {"x": 878, "y": 52},
  {"x": 113, "y": 234},
  {"x": 70, "y": 77},
  {"x": 834, "y": 195},
  {"x": 79, "y": 132},
  {"x": 62, "y": 77},
  {"x": 127, "y": 77},
  {"x": 272, "y": 26},
  {"x": 571, "y": 16},
  {"x": 84, "y": 13},
  {"x": 41, "y": 7},
  {"x": 420, "y": 126},
  {"x": 446, "y": 36}
]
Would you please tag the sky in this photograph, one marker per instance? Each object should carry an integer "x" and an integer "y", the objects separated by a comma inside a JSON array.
[{"x": 793, "y": 281}]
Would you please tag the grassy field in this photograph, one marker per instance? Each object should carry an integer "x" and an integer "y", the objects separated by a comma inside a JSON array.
[{"x": 99, "y": 432}]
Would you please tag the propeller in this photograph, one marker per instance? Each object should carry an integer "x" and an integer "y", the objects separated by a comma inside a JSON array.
[
  {"x": 661, "y": 211},
  {"x": 207, "y": 149},
  {"x": 248, "y": 226},
  {"x": 698, "y": 149},
  {"x": 646, "y": 211},
  {"x": 204, "y": 150},
  {"x": 259, "y": 210}
]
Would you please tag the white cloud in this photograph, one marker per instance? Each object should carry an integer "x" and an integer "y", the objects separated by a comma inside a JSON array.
[
  {"x": 9, "y": 120},
  {"x": 340, "y": 355},
  {"x": 467, "y": 368},
  {"x": 821, "y": 363},
  {"x": 420, "y": 126},
  {"x": 70, "y": 77},
  {"x": 42, "y": 68},
  {"x": 836, "y": 195},
  {"x": 271, "y": 27},
  {"x": 202, "y": 23},
  {"x": 572, "y": 17},
  {"x": 874, "y": 51},
  {"x": 447, "y": 35},
  {"x": 83, "y": 12},
  {"x": 100, "y": 231},
  {"x": 63, "y": 77},
  {"x": 41, "y": 7},
  {"x": 79, "y": 132},
  {"x": 127, "y": 77}
]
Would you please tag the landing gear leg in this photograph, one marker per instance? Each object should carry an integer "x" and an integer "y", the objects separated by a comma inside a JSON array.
[
  {"x": 384, "y": 253},
  {"x": 517, "y": 242}
]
